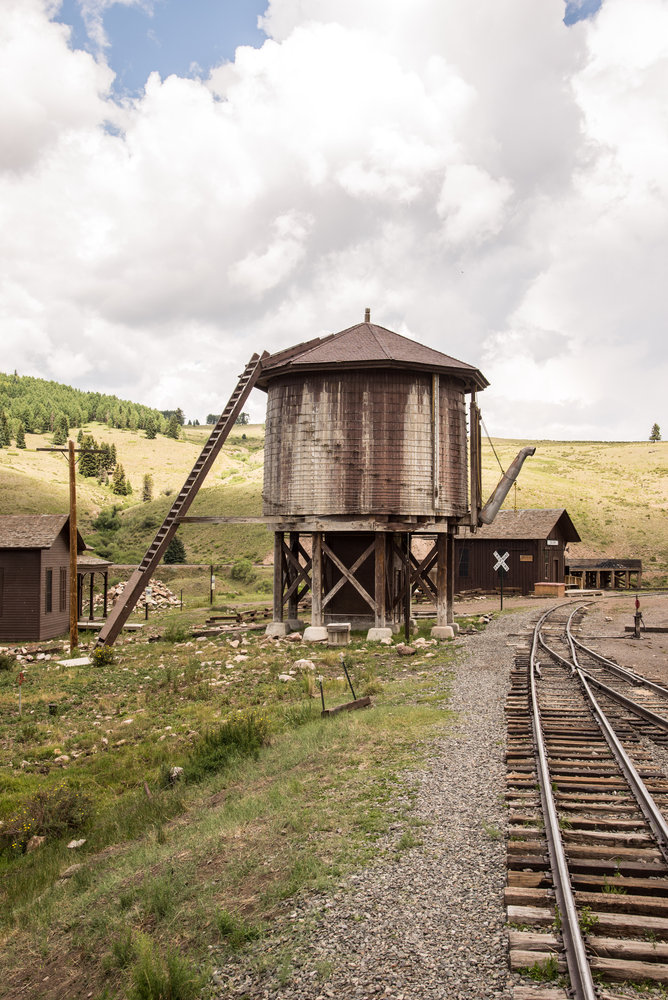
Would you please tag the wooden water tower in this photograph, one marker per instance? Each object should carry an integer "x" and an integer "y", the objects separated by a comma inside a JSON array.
[{"x": 366, "y": 445}]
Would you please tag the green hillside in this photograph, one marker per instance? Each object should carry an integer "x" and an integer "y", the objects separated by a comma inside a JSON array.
[{"x": 616, "y": 493}]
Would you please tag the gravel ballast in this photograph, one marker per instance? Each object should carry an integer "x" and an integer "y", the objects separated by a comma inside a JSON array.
[{"x": 430, "y": 922}]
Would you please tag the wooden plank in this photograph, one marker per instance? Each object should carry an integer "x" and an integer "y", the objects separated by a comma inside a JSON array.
[
  {"x": 541, "y": 916},
  {"x": 379, "y": 581},
  {"x": 620, "y": 970},
  {"x": 533, "y": 940},
  {"x": 349, "y": 706},
  {"x": 520, "y": 959},
  {"x": 647, "y": 951},
  {"x": 538, "y": 993}
]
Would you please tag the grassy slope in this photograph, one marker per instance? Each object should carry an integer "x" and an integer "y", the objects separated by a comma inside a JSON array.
[{"x": 616, "y": 493}]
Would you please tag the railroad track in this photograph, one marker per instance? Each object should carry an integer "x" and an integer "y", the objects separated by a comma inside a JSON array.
[{"x": 587, "y": 889}]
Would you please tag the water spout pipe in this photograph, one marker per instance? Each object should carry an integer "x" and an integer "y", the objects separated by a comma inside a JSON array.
[{"x": 491, "y": 508}]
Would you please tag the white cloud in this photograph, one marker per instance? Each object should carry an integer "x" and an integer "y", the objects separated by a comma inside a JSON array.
[{"x": 486, "y": 179}]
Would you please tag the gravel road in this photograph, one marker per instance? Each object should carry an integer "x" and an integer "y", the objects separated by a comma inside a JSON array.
[{"x": 428, "y": 925}]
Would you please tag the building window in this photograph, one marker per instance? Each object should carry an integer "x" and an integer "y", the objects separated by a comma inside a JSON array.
[
  {"x": 63, "y": 588},
  {"x": 48, "y": 591},
  {"x": 463, "y": 568}
]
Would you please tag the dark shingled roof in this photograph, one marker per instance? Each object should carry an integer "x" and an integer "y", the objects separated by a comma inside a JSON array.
[
  {"x": 33, "y": 531},
  {"x": 366, "y": 346},
  {"x": 632, "y": 565},
  {"x": 526, "y": 524}
]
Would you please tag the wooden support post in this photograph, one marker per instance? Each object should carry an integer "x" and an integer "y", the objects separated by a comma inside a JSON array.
[
  {"x": 74, "y": 597},
  {"x": 450, "y": 584},
  {"x": 105, "y": 593},
  {"x": 441, "y": 579},
  {"x": 316, "y": 579},
  {"x": 379, "y": 589},
  {"x": 278, "y": 576},
  {"x": 407, "y": 589},
  {"x": 292, "y": 574},
  {"x": 91, "y": 589}
]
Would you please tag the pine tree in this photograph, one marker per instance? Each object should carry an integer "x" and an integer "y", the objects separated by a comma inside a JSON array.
[
  {"x": 151, "y": 429},
  {"x": 118, "y": 483},
  {"x": 173, "y": 428},
  {"x": 147, "y": 489},
  {"x": 5, "y": 439},
  {"x": 89, "y": 462},
  {"x": 20, "y": 435},
  {"x": 176, "y": 551},
  {"x": 61, "y": 429},
  {"x": 655, "y": 433}
]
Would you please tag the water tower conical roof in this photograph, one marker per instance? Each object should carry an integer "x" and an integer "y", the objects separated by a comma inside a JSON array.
[{"x": 366, "y": 345}]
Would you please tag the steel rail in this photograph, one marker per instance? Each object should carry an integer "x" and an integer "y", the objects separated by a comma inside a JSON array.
[
  {"x": 633, "y": 706},
  {"x": 660, "y": 721},
  {"x": 643, "y": 797},
  {"x": 624, "y": 672},
  {"x": 579, "y": 971}
]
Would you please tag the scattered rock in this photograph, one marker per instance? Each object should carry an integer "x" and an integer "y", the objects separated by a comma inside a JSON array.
[
  {"x": 303, "y": 665},
  {"x": 175, "y": 774},
  {"x": 285, "y": 678},
  {"x": 34, "y": 843},
  {"x": 294, "y": 637},
  {"x": 72, "y": 870},
  {"x": 62, "y": 759},
  {"x": 404, "y": 650},
  {"x": 73, "y": 844}
]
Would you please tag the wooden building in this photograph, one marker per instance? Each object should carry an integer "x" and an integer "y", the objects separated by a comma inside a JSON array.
[
  {"x": 366, "y": 444},
  {"x": 604, "y": 574},
  {"x": 534, "y": 540},
  {"x": 35, "y": 575}
]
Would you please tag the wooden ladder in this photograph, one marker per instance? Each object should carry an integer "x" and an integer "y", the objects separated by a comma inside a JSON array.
[{"x": 138, "y": 582}]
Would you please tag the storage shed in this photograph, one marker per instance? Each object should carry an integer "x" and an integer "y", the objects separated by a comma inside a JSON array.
[
  {"x": 602, "y": 573},
  {"x": 534, "y": 540},
  {"x": 34, "y": 575}
]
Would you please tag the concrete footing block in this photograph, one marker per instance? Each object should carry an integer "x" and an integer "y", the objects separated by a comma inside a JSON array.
[
  {"x": 442, "y": 632},
  {"x": 276, "y": 629},
  {"x": 315, "y": 633},
  {"x": 378, "y": 634},
  {"x": 296, "y": 624}
]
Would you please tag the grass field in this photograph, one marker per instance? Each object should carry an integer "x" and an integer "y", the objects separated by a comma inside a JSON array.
[
  {"x": 171, "y": 877},
  {"x": 615, "y": 492}
]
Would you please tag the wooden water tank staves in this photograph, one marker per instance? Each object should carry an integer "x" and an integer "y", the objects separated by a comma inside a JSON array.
[{"x": 366, "y": 422}]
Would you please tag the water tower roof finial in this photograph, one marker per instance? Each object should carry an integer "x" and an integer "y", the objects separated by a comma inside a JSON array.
[{"x": 367, "y": 315}]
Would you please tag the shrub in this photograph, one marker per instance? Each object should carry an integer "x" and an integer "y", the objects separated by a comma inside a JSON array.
[
  {"x": 235, "y": 930},
  {"x": 7, "y": 661},
  {"x": 240, "y": 735},
  {"x": 51, "y": 812},
  {"x": 243, "y": 571},
  {"x": 176, "y": 631},
  {"x": 102, "y": 656},
  {"x": 176, "y": 551},
  {"x": 107, "y": 520},
  {"x": 158, "y": 978}
]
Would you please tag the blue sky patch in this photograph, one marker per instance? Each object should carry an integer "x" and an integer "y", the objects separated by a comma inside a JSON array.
[
  {"x": 578, "y": 10},
  {"x": 185, "y": 37}
]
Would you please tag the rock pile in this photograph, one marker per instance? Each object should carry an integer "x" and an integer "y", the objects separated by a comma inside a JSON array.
[{"x": 160, "y": 596}]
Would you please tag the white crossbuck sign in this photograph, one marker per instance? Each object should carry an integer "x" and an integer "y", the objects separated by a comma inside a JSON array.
[{"x": 501, "y": 561}]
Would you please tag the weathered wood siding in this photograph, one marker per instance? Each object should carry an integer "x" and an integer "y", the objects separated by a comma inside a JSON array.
[
  {"x": 23, "y": 613},
  {"x": 20, "y": 601},
  {"x": 57, "y": 621},
  {"x": 530, "y": 562},
  {"x": 360, "y": 442}
]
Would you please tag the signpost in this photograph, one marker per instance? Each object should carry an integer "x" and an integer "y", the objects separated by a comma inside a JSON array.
[{"x": 501, "y": 567}]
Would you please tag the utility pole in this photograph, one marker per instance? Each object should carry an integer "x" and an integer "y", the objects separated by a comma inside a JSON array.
[
  {"x": 74, "y": 602},
  {"x": 70, "y": 451}
]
